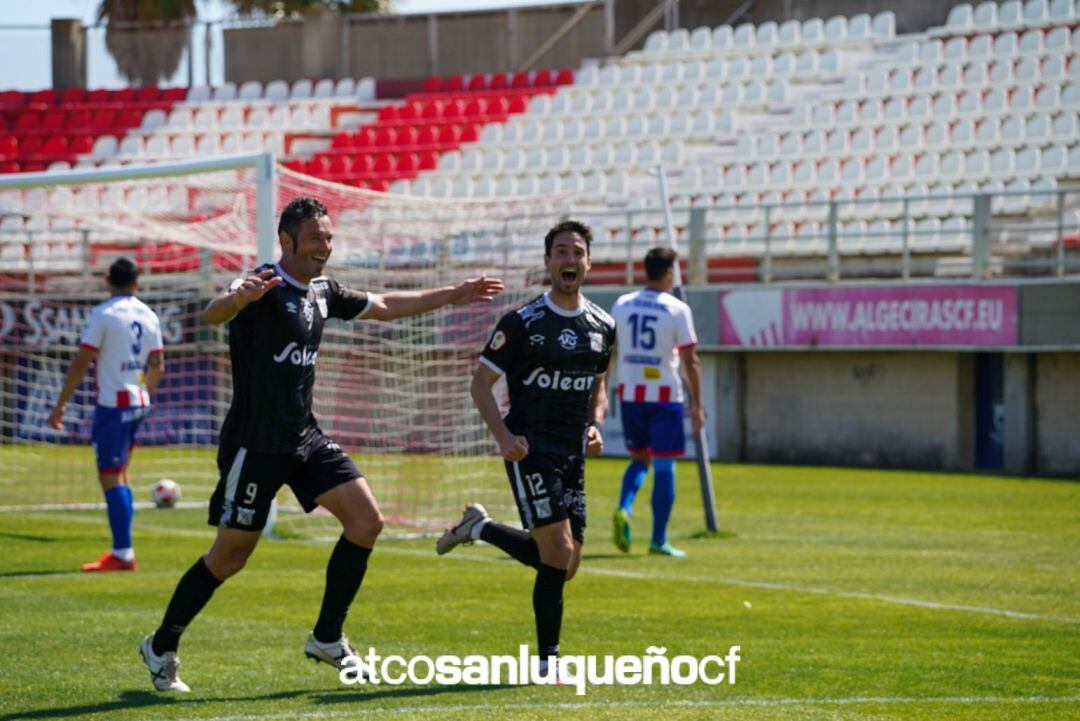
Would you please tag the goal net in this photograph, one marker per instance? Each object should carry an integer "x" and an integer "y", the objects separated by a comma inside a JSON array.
[{"x": 395, "y": 395}]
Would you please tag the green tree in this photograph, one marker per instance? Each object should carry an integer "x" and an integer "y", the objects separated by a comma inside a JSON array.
[{"x": 147, "y": 38}]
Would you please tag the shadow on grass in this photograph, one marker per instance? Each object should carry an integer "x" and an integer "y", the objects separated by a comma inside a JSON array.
[
  {"x": 714, "y": 535},
  {"x": 368, "y": 693},
  {"x": 29, "y": 537},
  {"x": 35, "y": 574},
  {"x": 138, "y": 699}
]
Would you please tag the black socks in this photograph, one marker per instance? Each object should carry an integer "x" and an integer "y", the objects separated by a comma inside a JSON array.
[
  {"x": 515, "y": 542},
  {"x": 548, "y": 606},
  {"x": 194, "y": 590},
  {"x": 344, "y": 573}
]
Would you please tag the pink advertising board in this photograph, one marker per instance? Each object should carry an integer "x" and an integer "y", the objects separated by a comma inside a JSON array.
[{"x": 909, "y": 316}]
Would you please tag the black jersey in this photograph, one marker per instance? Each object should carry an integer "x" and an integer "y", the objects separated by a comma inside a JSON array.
[
  {"x": 551, "y": 358},
  {"x": 273, "y": 344}
]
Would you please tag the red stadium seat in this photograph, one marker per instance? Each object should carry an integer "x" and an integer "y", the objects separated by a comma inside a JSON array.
[
  {"x": 408, "y": 163},
  {"x": 519, "y": 104},
  {"x": 407, "y": 137},
  {"x": 319, "y": 166},
  {"x": 379, "y": 186},
  {"x": 9, "y": 146},
  {"x": 477, "y": 83},
  {"x": 10, "y": 166},
  {"x": 388, "y": 113},
  {"x": 12, "y": 100},
  {"x": 543, "y": 79},
  {"x": 42, "y": 97},
  {"x": 428, "y": 161},
  {"x": 432, "y": 110},
  {"x": 80, "y": 144},
  {"x": 30, "y": 146},
  {"x": 429, "y": 135},
  {"x": 385, "y": 138},
  {"x": 362, "y": 164},
  {"x": 498, "y": 106},
  {"x": 129, "y": 118},
  {"x": 72, "y": 95},
  {"x": 174, "y": 95},
  {"x": 341, "y": 141},
  {"x": 340, "y": 165},
  {"x": 385, "y": 163},
  {"x": 363, "y": 138},
  {"x": 103, "y": 121},
  {"x": 449, "y": 135},
  {"x": 297, "y": 165},
  {"x": 470, "y": 133},
  {"x": 54, "y": 120},
  {"x": 148, "y": 94},
  {"x": 409, "y": 111},
  {"x": 565, "y": 77},
  {"x": 452, "y": 110},
  {"x": 123, "y": 95},
  {"x": 98, "y": 97},
  {"x": 520, "y": 80},
  {"x": 453, "y": 84},
  {"x": 433, "y": 84},
  {"x": 29, "y": 120},
  {"x": 499, "y": 81},
  {"x": 475, "y": 108},
  {"x": 55, "y": 147},
  {"x": 78, "y": 120},
  {"x": 33, "y": 167}
]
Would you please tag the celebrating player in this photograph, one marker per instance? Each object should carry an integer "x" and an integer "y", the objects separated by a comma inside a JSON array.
[
  {"x": 123, "y": 336},
  {"x": 554, "y": 351},
  {"x": 270, "y": 437},
  {"x": 656, "y": 332}
]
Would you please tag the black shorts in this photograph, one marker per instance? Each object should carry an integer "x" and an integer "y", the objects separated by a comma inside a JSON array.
[
  {"x": 549, "y": 488},
  {"x": 249, "y": 480}
]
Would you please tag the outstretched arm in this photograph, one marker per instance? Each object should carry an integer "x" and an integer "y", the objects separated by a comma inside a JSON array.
[
  {"x": 403, "y": 304},
  {"x": 513, "y": 448},
  {"x": 76, "y": 373},
  {"x": 226, "y": 305}
]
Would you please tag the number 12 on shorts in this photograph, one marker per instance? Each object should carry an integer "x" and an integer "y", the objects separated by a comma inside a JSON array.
[{"x": 536, "y": 484}]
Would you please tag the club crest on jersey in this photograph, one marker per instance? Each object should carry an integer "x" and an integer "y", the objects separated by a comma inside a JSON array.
[
  {"x": 290, "y": 306},
  {"x": 498, "y": 340},
  {"x": 596, "y": 342},
  {"x": 309, "y": 311},
  {"x": 537, "y": 339},
  {"x": 568, "y": 339}
]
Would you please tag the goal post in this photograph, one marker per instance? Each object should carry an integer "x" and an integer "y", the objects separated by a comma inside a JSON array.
[{"x": 395, "y": 395}]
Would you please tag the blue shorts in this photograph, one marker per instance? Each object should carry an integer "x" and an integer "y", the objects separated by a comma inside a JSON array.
[
  {"x": 654, "y": 427},
  {"x": 114, "y": 435}
]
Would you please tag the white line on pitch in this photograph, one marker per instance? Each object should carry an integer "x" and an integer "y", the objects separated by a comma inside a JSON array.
[
  {"x": 586, "y": 705},
  {"x": 765, "y": 585}
]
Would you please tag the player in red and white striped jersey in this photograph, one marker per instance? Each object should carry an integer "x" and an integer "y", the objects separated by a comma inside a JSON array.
[{"x": 656, "y": 339}]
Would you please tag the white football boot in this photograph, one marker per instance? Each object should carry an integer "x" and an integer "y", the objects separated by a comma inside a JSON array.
[
  {"x": 462, "y": 532},
  {"x": 164, "y": 669}
]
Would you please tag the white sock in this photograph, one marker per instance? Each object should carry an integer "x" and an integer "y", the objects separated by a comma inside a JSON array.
[
  {"x": 124, "y": 554},
  {"x": 475, "y": 532}
]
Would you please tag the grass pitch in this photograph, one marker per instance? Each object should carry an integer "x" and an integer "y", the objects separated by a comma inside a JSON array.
[{"x": 853, "y": 594}]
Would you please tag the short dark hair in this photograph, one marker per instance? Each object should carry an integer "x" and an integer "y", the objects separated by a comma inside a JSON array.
[
  {"x": 659, "y": 261},
  {"x": 123, "y": 273},
  {"x": 567, "y": 226},
  {"x": 297, "y": 211}
]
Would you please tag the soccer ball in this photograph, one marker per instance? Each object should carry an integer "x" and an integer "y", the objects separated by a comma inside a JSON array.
[{"x": 165, "y": 493}]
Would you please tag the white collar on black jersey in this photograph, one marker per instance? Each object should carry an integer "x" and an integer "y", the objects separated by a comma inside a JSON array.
[
  {"x": 563, "y": 311},
  {"x": 288, "y": 278}
]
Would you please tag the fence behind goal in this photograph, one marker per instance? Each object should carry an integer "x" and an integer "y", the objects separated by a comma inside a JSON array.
[{"x": 395, "y": 395}]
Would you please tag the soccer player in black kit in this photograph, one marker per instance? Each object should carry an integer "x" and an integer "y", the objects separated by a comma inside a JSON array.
[
  {"x": 269, "y": 438},
  {"x": 554, "y": 351}
]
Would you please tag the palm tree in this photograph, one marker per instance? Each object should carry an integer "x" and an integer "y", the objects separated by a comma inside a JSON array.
[{"x": 150, "y": 52}]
